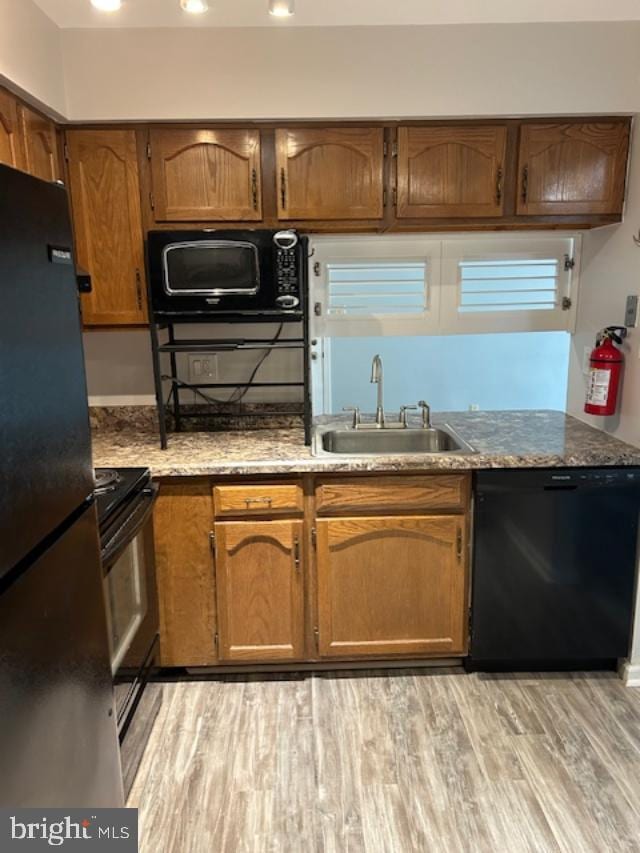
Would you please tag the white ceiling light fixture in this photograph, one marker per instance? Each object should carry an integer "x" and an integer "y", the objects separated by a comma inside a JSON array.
[
  {"x": 282, "y": 8},
  {"x": 107, "y": 5},
  {"x": 195, "y": 7}
]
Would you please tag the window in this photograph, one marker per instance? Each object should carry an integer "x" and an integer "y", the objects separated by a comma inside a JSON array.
[
  {"x": 365, "y": 285},
  {"x": 402, "y": 287},
  {"x": 508, "y": 285},
  {"x": 377, "y": 288},
  {"x": 408, "y": 285}
]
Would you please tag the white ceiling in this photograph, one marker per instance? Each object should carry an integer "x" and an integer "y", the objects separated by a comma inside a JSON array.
[{"x": 326, "y": 13}]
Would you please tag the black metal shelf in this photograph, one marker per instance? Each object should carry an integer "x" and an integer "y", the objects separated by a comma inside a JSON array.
[
  {"x": 224, "y": 345},
  {"x": 175, "y": 346}
]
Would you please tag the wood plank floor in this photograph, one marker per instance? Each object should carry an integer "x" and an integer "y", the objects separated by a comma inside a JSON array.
[{"x": 411, "y": 760}]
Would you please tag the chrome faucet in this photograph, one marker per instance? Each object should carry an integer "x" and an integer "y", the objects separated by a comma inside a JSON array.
[{"x": 376, "y": 379}]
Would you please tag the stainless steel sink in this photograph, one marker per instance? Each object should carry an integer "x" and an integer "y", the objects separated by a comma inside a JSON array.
[{"x": 383, "y": 442}]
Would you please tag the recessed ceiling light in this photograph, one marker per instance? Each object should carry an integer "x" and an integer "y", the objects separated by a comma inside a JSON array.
[
  {"x": 281, "y": 8},
  {"x": 107, "y": 5},
  {"x": 195, "y": 7}
]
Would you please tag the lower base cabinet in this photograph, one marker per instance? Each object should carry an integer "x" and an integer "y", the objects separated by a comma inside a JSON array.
[
  {"x": 260, "y": 590},
  {"x": 185, "y": 575},
  {"x": 391, "y": 586}
]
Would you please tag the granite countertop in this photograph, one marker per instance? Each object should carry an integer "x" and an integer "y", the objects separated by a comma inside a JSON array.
[{"x": 513, "y": 439}]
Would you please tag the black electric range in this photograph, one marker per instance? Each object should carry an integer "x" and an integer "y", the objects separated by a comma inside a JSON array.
[
  {"x": 125, "y": 498},
  {"x": 114, "y": 487}
]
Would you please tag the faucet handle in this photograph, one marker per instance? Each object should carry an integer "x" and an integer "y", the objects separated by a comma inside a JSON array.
[
  {"x": 356, "y": 414},
  {"x": 403, "y": 414},
  {"x": 426, "y": 414}
]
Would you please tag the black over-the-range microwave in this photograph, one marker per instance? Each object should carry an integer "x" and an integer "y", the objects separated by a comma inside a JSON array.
[{"x": 222, "y": 274}]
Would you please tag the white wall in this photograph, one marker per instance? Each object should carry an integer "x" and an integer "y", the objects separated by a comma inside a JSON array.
[
  {"x": 352, "y": 71},
  {"x": 31, "y": 54},
  {"x": 610, "y": 270}
]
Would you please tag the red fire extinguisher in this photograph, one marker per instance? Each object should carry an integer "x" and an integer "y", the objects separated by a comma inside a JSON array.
[{"x": 605, "y": 371}]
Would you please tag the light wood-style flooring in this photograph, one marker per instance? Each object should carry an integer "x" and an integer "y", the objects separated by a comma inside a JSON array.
[{"x": 413, "y": 760}]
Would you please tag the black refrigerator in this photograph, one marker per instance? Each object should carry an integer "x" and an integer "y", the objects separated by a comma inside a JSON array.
[{"x": 58, "y": 741}]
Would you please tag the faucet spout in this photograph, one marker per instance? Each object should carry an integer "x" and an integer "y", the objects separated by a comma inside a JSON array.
[{"x": 376, "y": 379}]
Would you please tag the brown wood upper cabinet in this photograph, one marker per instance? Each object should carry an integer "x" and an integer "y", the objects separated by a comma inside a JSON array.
[
  {"x": 105, "y": 200},
  {"x": 330, "y": 173},
  {"x": 40, "y": 146},
  {"x": 391, "y": 585},
  {"x": 260, "y": 590},
  {"x": 11, "y": 142},
  {"x": 454, "y": 171},
  {"x": 205, "y": 175},
  {"x": 572, "y": 168}
]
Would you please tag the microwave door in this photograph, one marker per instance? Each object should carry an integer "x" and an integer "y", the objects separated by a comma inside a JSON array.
[{"x": 211, "y": 269}]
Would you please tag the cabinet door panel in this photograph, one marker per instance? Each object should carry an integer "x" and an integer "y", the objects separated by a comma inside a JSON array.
[
  {"x": 391, "y": 585},
  {"x": 11, "y": 142},
  {"x": 260, "y": 590},
  {"x": 572, "y": 168},
  {"x": 39, "y": 138},
  {"x": 206, "y": 175},
  {"x": 105, "y": 199},
  {"x": 185, "y": 575},
  {"x": 451, "y": 171},
  {"x": 329, "y": 173}
]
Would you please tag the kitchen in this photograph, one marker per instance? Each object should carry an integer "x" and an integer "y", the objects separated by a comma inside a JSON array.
[{"x": 404, "y": 626}]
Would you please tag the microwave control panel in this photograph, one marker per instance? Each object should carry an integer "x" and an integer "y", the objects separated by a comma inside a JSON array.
[{"x": 288, "y": 278}]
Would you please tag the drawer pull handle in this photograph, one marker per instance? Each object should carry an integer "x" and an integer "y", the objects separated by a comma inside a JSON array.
[
  {"x": 296, "y": 554},
  {"x": 249, "y": 501},
  {"x": 459, "y": 544}
]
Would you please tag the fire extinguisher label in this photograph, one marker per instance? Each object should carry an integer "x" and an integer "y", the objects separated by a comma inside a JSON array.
[{"x": 598, "y": 391}]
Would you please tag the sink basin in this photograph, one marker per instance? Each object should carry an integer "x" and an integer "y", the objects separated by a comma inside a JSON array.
[{"x": 383, "y": 442}]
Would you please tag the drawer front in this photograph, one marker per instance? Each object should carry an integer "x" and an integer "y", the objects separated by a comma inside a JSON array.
[
  {"x": 364, "y": 494},
  {"x": 258, "y": 500}
]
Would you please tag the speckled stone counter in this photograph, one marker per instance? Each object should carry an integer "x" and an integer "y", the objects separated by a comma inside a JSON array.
[{"x": 535, "y": 439}]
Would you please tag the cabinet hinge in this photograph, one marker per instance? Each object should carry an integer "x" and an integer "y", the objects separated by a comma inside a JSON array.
[
  {"x": 459, "y": 544},
  {"x": 384, "y": 198},
  {"x": 385, "y": 148},
  {"x": 395, "y": 196},
  {"x": 215, "y": 640},
  {"x": 148, "y": 151},
  {"x": 212, "y": 542},
  {"x": 314, "y": 537},
  {"x": 569, "y": 263},
  {"x": 316, "y": 636},
  {"x": 66, "y": 152},
  {"x": 394, "y": 149},
  {"x": 316, "y": 268},
  {"x": 566, "y": 303},
  {"x": 152, "y": 201}
]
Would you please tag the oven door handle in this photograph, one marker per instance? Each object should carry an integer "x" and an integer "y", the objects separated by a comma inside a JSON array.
[{"x": 132, "y": 526}]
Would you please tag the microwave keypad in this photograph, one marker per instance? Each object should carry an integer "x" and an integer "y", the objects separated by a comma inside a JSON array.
[{"x": 287, "y": 271}]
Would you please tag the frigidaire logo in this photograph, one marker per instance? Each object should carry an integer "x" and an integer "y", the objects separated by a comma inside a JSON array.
[{"x": 71, "y": 829}]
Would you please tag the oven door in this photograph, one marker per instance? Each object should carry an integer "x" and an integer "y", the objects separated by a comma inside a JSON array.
[
  {"x": 132, "y": 604},
  {"x": 211, "y": 268}
]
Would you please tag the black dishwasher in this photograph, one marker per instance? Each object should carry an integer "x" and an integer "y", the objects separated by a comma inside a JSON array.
[{"x": 554, "y": 568}]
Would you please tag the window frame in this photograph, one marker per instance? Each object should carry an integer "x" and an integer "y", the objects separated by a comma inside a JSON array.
[{"x": 367, "y": 249}]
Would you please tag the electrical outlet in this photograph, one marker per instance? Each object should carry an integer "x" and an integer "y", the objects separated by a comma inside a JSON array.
[{"x": 203, "y": 367}]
